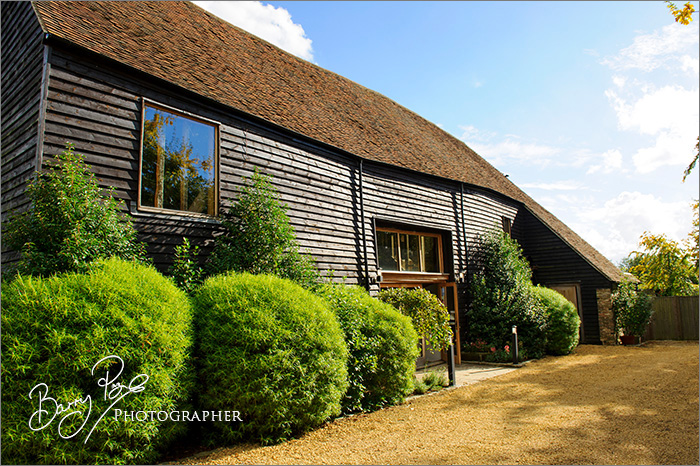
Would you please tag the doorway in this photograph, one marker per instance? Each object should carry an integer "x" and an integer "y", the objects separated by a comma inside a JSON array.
[
  {"x": 446, "y": 292},
  {"x": 572, "y": 292}
]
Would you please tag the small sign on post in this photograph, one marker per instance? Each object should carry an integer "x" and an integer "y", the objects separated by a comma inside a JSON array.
[{"x": 514, "y": 347}]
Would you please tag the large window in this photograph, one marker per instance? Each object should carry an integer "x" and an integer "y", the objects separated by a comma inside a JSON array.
[
  {"x": 408, "y": 252},
  {"x": 178, "y": 162}
]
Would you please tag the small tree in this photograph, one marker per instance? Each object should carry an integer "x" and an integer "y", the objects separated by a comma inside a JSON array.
[
  {"x": 70, "y": 223},
  {"x": 632, "y": 309},
  {"x": 258, "y": 238},
  {"x": 186, "y": 271},
  {"x": 502, "y": 296},
  {"x": 430, "y": 317}
]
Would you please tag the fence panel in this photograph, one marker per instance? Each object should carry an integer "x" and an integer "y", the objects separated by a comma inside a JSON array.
[{"x": 675, "y": 318}]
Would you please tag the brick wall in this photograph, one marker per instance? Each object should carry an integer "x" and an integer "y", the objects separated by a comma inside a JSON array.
[{"x": 606, "y": 321}]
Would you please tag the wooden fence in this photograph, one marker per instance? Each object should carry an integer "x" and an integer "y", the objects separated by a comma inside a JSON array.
[{"x": 675, "y": 318}]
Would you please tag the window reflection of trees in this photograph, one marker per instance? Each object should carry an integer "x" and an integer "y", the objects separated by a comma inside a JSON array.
[{"x": 174, "y": 175}]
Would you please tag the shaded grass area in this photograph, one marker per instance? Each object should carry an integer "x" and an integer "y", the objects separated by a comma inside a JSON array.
[{"x": 600, "y": 405}]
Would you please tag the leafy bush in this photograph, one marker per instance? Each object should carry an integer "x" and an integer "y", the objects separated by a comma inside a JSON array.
[
  {"x": 258, "y": 238},
  {"x": 632, "y": 309},
  {"x": 271, "y": 350},
  {"x": 382, "y": 346},
  {"x": 419, "y": 387},
  {"x": 562, "y": 321},
  {"x": 70, "y": 224},
  {"x": 56, "y": 329},
  {"x": 186, "y": 271},
  {"x": 502, "y": 296},
  {"x": 435, "y": 380},
  {"x": 430, "y": 317}
]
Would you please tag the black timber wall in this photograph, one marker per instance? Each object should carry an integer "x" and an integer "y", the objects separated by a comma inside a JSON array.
[
  {"x": 96, "y": 105},
  {"x": 555, "y": 263},
  {"x": 22, "y": 71}
]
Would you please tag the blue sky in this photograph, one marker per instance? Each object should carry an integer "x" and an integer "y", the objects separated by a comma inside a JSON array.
[{"x": 589, "y": 107}]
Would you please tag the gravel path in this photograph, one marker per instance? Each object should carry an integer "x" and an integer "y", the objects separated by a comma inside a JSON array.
[{"x": 601, "y": 405}]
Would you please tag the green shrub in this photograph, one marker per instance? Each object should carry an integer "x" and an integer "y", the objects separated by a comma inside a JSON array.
[
  {"x": 435, "y": 380},
  {"x": 70, "y": 223},
  {"x": 382, "y": 345},
  {"x": 271, "y": 350},
  {"x": 502, "y": 296},
  {"x": 186, "y": 271},
  {"x": 632, "y": 309},
  {"x": 258, "y": 238},
  {"x": 429, "y": 316},
  {"x": 56, "y": 329},
  {"x": 419, "y": 387},
  {"x": 562, "y": 321}
]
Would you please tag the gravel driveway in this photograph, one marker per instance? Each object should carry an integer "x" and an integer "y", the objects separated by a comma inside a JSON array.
[{"x": 601, "y": 405}]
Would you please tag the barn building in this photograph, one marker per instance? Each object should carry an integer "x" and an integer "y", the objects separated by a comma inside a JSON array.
[{"x": 375, "y": 192}]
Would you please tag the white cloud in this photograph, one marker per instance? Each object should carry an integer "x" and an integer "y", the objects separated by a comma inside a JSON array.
[
  {"x": 612, "y": 162},
  {"x": 272, "y": 24},
  {"x": 619, "y": 81},
  {"x": 689, "y": 63},
  {"x": 568, "y": 185},
  {"x": 658, "y": 49},
  {"x": 614, "y": 229},
  {"x": 669, "y": 114},
  {"x": 512, "y": 151},
  {"x": 472, "y": 133}
]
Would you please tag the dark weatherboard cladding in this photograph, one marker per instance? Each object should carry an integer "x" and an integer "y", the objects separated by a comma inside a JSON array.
[{"x": 346, "y": 160}]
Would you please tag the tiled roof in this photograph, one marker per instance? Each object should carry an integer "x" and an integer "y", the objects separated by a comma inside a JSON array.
[{"x": 187, "y": 46}]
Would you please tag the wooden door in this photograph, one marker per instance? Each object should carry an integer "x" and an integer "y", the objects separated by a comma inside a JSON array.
[{"x": 573, "y": 294}]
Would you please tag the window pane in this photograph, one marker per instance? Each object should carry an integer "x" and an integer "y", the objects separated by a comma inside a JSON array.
[
  {"x": 430, "y": 254},
  {"x": 178, "y": 162},
  {"x": 387, "y": 250},
  {"x": 413, "y": 255}
]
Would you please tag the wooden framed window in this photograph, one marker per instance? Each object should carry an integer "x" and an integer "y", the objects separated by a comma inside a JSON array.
[
  {"x": 178, "y": 168},
  {"x": 403, "y": 251},
  {"x": 507, "y": 225}
]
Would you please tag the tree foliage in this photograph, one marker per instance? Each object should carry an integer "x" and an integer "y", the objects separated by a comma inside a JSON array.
[
  {"x": 430, "y": 317},
  {"x": 186, "y": 271},
  {"x": 664, "y": 267},
  {"x": 694, "y": 161},
  {"x": 70, "y": 223},
  {"x": 631, "y": 308},
  {"x": 258, "y": 238},
  {"x": 502, "y": 296},
  {"x": 682, "y": 15}
]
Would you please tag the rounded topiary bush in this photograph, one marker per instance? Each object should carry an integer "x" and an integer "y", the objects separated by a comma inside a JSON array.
[
  {"x": 270, "y": 350},
  {"x": 562, "y": 321},
  {"x": 382, "y": 344},
  {"x": 55, "y": 330}
]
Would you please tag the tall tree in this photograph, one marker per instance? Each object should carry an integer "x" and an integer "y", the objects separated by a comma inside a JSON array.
[{"x": 664, "y": 267}]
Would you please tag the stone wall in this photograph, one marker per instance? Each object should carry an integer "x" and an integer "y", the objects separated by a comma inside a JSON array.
[{"x": 606, "y": 321}]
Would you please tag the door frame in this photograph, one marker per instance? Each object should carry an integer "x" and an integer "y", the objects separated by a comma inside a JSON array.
[{"x": 578, "y": 303}]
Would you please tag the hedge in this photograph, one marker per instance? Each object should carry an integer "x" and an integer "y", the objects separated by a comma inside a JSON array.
[
  {"x": 270, "y": 350},
  {"x": 562, "y": 318},
  {"x": 382, "y": 345},
  {"x": 56, "y": 329}
]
